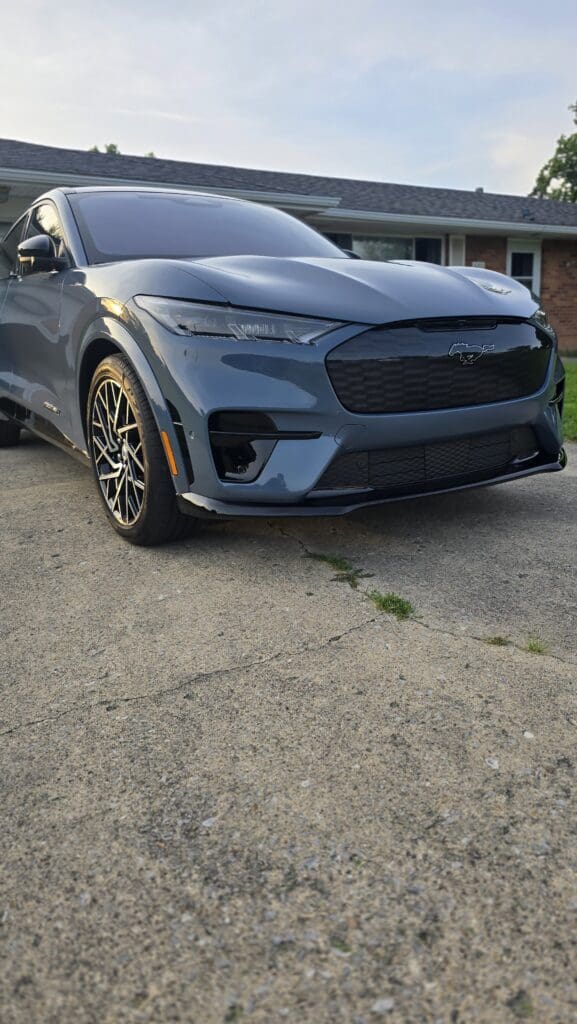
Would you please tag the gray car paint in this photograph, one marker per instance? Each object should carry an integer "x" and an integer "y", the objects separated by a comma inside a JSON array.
[{"x": 64, "y": 313}]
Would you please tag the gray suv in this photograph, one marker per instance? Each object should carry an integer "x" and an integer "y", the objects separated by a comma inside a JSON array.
[{"x": 208, "y": 356}]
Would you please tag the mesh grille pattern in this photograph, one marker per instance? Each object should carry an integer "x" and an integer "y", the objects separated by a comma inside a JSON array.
[
  {"x": 412, "y": 368},
  {"x": 424, "y": 466}
]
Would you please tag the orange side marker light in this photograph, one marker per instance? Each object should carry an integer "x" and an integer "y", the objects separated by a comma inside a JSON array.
[{"x": 169, "y": 452}]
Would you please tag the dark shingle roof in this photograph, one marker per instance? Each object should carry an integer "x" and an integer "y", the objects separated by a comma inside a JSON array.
[{"x": 349, "y": 194}]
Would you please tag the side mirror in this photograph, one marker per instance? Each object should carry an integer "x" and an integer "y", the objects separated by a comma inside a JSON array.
[
  {"x": 39, "y": 254},
  {"x": 352, "y": 255}
]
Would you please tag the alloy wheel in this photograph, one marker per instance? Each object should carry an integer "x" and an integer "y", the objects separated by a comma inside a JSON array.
[{"x": 117, "y": 452}]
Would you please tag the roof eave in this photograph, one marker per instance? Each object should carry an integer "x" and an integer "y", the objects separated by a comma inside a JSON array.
[
  {"x": 450, "y": 225},
  {"x": 326, "y": 208},
  {"x": 51, "y": 179}
]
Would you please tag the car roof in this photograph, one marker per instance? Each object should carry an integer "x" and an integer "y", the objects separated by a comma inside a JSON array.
[{"x": 105, "y": 189}]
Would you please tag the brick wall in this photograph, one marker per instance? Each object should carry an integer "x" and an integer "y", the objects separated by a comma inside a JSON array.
[
  {"x": 558, "y": 279},
  {"x": 490, "y": 248},
  {"x": 559, "y": 290}
]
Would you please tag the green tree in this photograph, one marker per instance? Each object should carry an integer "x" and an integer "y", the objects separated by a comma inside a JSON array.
[
  {"x": 110, "y": 147},
  {"x": 557, "y": 179}
]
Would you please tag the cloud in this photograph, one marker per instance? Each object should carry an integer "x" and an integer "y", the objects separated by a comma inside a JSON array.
[{"x": 447, "y": 94}]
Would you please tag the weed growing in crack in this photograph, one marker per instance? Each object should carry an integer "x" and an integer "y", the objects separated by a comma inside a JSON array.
[
  {"x": 536, "y": 646},
  {"x": 497, "y": 641},
  {"x": 345, "y": 572},
  {"x": 392, "y": 604}
]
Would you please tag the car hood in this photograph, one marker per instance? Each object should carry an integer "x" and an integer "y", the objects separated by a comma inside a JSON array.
[{"x": 361, "y": 291}]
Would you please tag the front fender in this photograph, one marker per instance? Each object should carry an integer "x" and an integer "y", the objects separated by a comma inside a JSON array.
[{"x": 107, "y": 328}]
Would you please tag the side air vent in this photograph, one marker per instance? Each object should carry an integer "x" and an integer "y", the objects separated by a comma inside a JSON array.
[
  {"x": 242, "y": 442},
  {"x": 181, "y": 438}
]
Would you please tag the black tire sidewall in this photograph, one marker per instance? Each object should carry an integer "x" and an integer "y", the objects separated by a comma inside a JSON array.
[{"x": 9, "y": 433}]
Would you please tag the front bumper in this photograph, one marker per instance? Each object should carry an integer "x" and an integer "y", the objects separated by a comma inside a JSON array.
[
  {"x": 207, "y": 508},
  {"x": 290, "y": 385}
]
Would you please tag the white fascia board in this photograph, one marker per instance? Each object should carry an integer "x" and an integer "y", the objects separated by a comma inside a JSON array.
[
  {"x": 450, "y": 225},
  {"x": 49, "y": 179}
]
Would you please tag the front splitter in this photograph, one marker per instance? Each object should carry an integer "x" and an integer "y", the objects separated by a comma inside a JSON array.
[{"x": 210, "y": 508}]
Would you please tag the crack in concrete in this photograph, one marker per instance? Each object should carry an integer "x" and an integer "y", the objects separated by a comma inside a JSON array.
[
  {"x": 291, "y": 536},
  {"x": 299, "y": 652},
  {"x": 511, "y": 644},
  {"x": 200, "y": 677}
]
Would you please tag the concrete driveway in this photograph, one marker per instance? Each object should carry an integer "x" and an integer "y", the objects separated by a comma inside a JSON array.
[{"x": 234, "y": 790}]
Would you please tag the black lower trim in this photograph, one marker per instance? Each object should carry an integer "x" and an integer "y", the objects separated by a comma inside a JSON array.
[
  {"x": 429, "y": 465},
  {"x": 42, "y": 427},
  {"x": 225, "y": 438}
]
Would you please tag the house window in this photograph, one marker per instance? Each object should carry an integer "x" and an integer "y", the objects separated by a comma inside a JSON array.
[
  {"x": 344, "y": 241},
  {"x": 388, "y": 247},
  {"x": 370, "y": 247},
  {"x": 524, "y": 264},
  {"x": 429, "y": 250}
]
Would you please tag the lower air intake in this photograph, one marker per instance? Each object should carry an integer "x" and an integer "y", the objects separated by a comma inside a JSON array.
[{"x": 405, "y": 470}]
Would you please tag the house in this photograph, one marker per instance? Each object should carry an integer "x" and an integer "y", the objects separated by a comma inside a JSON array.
[{"x": 533, "y": 240}]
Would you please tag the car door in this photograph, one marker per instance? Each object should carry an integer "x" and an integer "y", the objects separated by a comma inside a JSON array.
[
  {"x": 31, "y": 325},
  {"x": 8, "y": 261}
]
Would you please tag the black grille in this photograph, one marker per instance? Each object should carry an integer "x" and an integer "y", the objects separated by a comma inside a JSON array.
[
  {"x": 426, "y": 466},
  {"x": 439, "y": 364}
]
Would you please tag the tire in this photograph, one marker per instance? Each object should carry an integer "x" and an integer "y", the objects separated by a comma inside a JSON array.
[
  {"x": 128, "y": 459},
  {"x": 9, "y": 434}
]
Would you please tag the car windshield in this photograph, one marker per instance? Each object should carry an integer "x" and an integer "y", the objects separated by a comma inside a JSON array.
[{"x": 119, "y": 225}]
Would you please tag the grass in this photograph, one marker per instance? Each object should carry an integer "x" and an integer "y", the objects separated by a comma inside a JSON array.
[
  {"x": 536, "y": 647},
  {"x": 345, "y": 572},
  {"x": 497, "y": 641},
  {"x": 340, "y": 944},
  {"x": 533, "y": 646},
  {"x": 571, "y": 400},
  {"x": 392, "y": 604}
]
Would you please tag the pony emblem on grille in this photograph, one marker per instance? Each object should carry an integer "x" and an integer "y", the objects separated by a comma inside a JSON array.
[{"x": 468, "y": 354}]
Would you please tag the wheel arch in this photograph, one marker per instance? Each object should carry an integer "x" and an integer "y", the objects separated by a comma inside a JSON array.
[{"x": 107, "y": 337}]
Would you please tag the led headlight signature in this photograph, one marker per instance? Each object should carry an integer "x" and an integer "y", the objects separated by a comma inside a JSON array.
[{"x": 193, "y": 319}]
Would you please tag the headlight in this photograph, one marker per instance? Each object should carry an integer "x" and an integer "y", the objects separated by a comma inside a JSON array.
[
  {"x": 543, "y": 320},
  {"x": 195, "y": 320}
]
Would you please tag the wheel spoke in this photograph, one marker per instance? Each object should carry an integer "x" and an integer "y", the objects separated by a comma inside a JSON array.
[
  {"x": 135, "y": 457},
  {"x": 116, "y": 498},
  {"x": 136, "y": 483},
  {"x": 112, "y": 476},
  {"x": 105, "y": 426},
  {"x": 103, "y": 451},
  {"x": 117, "y": 409}
]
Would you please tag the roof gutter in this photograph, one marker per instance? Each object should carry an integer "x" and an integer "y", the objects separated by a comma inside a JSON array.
[{"x": 451, "y": 225}]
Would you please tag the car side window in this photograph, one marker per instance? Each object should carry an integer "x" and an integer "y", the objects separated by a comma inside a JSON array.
[
  {"x": 9, "y": 248},
  {"x": 44, "y": 220}
]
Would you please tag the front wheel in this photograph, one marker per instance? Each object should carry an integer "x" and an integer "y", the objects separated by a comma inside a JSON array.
[{"x": 128, "y": 459}]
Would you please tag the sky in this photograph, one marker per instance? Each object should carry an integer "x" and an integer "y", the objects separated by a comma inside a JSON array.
[{"x": 457, "y": 94}]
